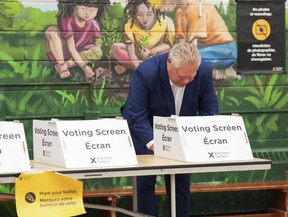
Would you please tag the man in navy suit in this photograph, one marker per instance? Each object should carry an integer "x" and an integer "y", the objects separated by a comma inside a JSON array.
[{"x": 175, "y": 83}]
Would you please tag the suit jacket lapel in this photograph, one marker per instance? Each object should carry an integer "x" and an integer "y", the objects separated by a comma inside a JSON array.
[
  {"x": 166, "y": 87},
  {"x": 190, "y": 91}
]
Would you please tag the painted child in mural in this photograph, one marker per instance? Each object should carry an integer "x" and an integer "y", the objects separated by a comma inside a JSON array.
[
  {"x": 199, "y": 23},
  {"x": 147, "y": 32},
  {"x": 75, "y": 41}
]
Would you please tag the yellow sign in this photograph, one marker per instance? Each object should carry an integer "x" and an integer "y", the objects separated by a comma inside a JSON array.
[
  {"x": 261, "y": 29},
  {"x": 48, "y": 194}
]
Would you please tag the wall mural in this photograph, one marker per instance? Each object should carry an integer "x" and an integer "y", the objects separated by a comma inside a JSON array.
[
  {"x": 65, "y": 59},
  {"x": 75, "y": 41},
  {"x": 203, "y": 26},
  {"x": 147, "y": 32},
  {"x": 146, "y": 28}
]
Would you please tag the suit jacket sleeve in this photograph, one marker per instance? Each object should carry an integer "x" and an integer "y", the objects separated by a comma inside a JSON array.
[
  {"x": 208, "y": 102},
  {"x": 136, "y": 111}
]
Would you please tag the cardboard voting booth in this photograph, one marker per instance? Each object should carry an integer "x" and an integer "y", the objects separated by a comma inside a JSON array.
[
  {"x": 14, "y": 155},
  {"x": 201, "y": 138},
  {"x": 83, "y": 143}
]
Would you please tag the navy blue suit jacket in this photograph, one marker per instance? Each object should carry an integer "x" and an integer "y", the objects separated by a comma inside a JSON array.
[{"x": 150, "y": 94}]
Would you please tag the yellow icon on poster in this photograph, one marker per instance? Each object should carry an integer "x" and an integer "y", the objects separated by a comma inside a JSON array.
[
  {"x": 48, "y": 194},
  {"x": 261, "y": 29}
]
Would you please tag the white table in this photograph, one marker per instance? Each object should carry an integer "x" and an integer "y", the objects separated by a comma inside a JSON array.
[{"x": 148, "y": 165}]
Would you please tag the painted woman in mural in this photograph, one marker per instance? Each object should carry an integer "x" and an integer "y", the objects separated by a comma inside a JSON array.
[
  {"x": 200, "y": 23},
  {"x": 147, "y": 32},
  {"x": 75, "y": 41}
]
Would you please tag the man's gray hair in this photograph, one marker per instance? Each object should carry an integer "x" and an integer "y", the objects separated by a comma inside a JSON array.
[{"x": 184, "y": 52}]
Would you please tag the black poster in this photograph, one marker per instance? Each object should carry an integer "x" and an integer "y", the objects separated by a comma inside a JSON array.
[{"x": 261, "y": 37}]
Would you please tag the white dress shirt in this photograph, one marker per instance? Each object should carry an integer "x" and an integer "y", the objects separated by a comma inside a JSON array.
[{"x": 178, "y": 93}]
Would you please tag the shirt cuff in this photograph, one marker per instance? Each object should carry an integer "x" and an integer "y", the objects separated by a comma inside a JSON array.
[{"x": 149, "y": 144}]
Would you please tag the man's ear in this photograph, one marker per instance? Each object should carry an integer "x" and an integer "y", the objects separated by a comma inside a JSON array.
[{"x": 169, "y": 60}]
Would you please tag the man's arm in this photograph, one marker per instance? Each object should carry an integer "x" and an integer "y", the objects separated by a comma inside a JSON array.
[
  {"x": 136, "y": 110},
  {"x": 208, "y": 102}
]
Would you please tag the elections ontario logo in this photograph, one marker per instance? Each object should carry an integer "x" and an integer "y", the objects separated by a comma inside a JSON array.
[{"x": 30, "y": 197}]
